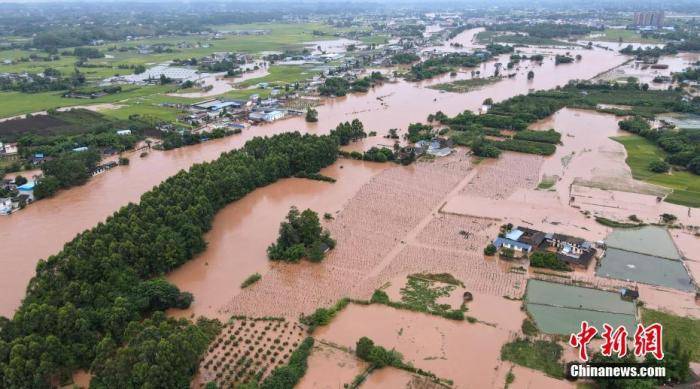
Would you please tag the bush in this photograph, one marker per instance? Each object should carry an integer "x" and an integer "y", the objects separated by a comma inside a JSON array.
[
  {"x": 525, "y": 146},
  {"x": 548, "y": 260},
  {"x": 490, "y": 250},
  {"x": 380, "y": 296},
  {"x": 540, "y": 355},
  {"x": 251, "y": 280},
  {"x": 659, "y": 166},
  {"x": 549, "y": 136},
  {"x": 20, "y": 180},
  {"x": 529, "y": 328}
]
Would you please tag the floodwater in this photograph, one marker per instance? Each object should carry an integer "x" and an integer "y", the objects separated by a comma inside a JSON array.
[
  {"x": 242, "y": 231},
  {"x": 42, "y": 228},
  {"x": 466, "y": 353}
]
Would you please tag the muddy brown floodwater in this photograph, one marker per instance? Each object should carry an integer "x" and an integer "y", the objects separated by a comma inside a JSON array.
[
  {"x": 42, "y": 228},
  {"x": 242, "y": 231}
]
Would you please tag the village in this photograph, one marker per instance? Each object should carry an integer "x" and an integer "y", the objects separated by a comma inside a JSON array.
[{"x": 351, "y": 197}]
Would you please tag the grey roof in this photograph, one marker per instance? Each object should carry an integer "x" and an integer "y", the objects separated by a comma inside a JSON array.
[{"x": 498, "y": 242}]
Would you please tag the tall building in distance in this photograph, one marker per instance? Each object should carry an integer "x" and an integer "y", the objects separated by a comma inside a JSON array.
[{"x": 649, "y": 19}]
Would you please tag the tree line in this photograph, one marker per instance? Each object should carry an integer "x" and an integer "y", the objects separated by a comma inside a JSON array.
[
  {"x": 518, "y": 112},
  {"x": 93, "y": 289}
]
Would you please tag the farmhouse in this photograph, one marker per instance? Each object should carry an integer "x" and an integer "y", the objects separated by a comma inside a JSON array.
[
  {"x": 266, "y": 116},
  {"x": 8, "y": 149},
  {"x": 512, "y": 244}
]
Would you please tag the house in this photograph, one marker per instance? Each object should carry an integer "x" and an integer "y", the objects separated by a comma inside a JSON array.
[
  {"x": 532, "y": 237},
  {"x": 438, "y": 147},
  {"x": 5, "y": 206},
  {"x": 7, "y": 149},
  {"x": 37, "y": 158},
  {"x": 104, "y": 167},
  {"x": 574, "y": 251},
  {"x": 562, "y": 241},
  {"x": 123, "y": 132},
  {"x": 266, "y": 116},
  {"x": 512, "y": 244}
]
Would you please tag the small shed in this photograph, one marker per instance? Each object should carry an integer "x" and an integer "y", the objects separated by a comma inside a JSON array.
[{"x": 629, "y": 294}]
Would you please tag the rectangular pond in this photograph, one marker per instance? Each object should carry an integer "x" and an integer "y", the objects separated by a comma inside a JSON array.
[
  {"x": 560, "y": 309},
  {"x": 648, "y": 269}
]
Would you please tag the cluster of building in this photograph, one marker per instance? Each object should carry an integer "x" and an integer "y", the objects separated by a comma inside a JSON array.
[
  {"x": 523, "y": 241},
  {"x": 234, "y": 114},
  {"x": 649, "y": 19},
  {"x": 15, "y": 196},
  {"x": 437, "y": 147}
]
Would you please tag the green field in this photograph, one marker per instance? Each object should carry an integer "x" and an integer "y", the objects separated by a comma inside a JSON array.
[
  {"x": 485, "y": 37},
  {"x": 464, "y": 86},
  {"x": 684, "y": 329},
  {"x": 282, "y": 36},
  {"x": 640, "y": 151},
  {"x": 144, "y": 100},
  {"x": 16, "y": 103},
  {"x": 628, "y": 36},
  {"x": 281, "y": 75}
]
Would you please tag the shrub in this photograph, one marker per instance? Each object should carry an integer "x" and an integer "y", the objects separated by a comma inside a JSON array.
[
  {"x": 529, "y": 328},
  {"x": 251, "y": 280},
  {"x": 380, "y": 296},
  {"x": 549, "y": 260},
  {"x": 659, "y": 166}
]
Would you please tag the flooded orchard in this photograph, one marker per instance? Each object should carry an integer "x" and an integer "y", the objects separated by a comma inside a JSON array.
[{"x": 41, "y": 229}]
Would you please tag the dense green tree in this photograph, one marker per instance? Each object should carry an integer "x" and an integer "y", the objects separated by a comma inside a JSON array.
[{"x": 300, "y": 236}]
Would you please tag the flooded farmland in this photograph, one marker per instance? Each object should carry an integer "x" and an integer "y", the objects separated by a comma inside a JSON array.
[{"x": 43, "y": 228}]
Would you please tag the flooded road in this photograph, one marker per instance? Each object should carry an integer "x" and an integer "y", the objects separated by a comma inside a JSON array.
[{"x": 42, "y": 228}]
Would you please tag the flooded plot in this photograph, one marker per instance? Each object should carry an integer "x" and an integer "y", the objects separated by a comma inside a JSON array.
[
  {"x": 466, "y": 353},
  {"x": 559, "y": 308},
  {"x": 502, "y": 177},
  {"x": 389, "y": 377},
  {"x": 649, "y": 269},
  {"x": 330, "y": 368},
  {"x": 248, "y": 349},
  {"x": 650, "y": 240},
  {"x": 369, "y": 227}
]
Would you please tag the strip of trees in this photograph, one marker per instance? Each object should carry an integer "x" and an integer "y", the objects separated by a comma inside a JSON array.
[{"x": 93, "y": 289}]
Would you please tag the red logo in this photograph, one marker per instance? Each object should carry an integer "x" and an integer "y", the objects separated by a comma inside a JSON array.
[
  {"x": 647, "y": 340},
  {"x": 582, "y": 339}
]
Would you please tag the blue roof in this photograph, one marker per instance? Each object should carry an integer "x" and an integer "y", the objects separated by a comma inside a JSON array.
[
  {"x": 28, "y": 186},
  {"x": 498, "y": 242},
  {"x": 514, "y": 234}
]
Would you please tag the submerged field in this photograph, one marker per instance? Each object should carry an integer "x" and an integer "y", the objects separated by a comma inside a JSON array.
[{"x": 640, "y": 152}]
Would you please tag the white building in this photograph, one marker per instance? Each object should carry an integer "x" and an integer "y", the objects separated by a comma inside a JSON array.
[
  {"x": 269, "y": 116},
  {"x": 8, "y": 148},
  {"x": 123, "y": 132}
]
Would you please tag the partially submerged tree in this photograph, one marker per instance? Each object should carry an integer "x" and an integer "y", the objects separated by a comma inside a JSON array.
[{"x": 301, "y": 236}]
